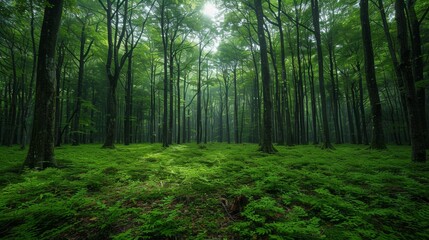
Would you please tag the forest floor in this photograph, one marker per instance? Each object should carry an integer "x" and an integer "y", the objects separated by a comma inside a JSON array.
[{"x": 216, "y": 191}]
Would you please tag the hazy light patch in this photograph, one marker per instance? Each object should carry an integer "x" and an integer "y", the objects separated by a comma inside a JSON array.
[{"x": 210, "y": 10}]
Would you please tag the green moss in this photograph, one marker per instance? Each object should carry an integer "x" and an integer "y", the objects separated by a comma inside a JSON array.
[{"x": 215, "y": 191}]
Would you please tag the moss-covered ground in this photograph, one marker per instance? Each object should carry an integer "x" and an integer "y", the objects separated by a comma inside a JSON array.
[{"x": 216, "y": 191}]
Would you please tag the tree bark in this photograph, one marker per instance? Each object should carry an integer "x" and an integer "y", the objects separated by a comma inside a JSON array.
[
  {"x": 316, "y": 17},
  {"x": 416, "y": 134},
  {"x": 41, "y": 152},
  {"x": 418, "y": 66},
  {"x": 377, "y": 140},
  {"x": 267, "y": 144}
]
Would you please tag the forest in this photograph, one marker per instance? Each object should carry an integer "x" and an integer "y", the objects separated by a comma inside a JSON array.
[{"x": 214, "y": 119}]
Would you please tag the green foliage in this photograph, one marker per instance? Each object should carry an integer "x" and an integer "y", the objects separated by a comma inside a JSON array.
[{"x": 218, "y": 191}]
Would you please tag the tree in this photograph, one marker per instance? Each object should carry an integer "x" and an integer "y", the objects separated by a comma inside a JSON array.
[
  {"x": 267, "y": 143},
  {"x": 115, "y": 36},
  {"x": 377, "y": 140},
  {"x": 41, "y": 152},
  {"x": 81, "y": 59},
  {"x": 417, "y": 135},
  {"x": 316, "y": 25}
]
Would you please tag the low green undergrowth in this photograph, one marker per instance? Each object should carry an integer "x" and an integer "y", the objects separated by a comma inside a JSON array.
[{"x": 217, "y": 191}]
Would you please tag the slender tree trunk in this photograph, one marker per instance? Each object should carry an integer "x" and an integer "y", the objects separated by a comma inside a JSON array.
[
  {"x": 9, "y": 133},
  {"x": 417, "y": 135},
  {"x": 228, "y": 131},
  {"x": 114, "y": 44},
  {"x": 392, "y": 52},
  {"x": 83, "y": 53},
  {"x": 235, "y": 104},
  {"x": 128, "y": 126},
  {"x": 164, "y": 34},
  {"x": 278, "y": 108},
  {"x": 334, "y": 89},
  {"x": 184, "y": 112},
  {"x": 221, "y": 106},
  {"x": 377, "y": 140},
  {"x": 178, "y": 99},
  {"x": 206, "y": 117},
  {"x": 267, "y": 144},
  {"x": 361, "y": 105},
  {"x": 41, "y": 152},
  {"x": 418, "y": 66},
  {"x": 316, "y": 17},
  {"x": 58, "y": 105},
  {"x": 313, "y": 96}
]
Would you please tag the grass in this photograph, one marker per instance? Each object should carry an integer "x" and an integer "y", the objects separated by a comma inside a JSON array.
[{"x": 216, "y": 191}]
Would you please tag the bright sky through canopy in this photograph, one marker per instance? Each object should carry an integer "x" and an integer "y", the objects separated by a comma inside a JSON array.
[{"x": 210, "y": 10}]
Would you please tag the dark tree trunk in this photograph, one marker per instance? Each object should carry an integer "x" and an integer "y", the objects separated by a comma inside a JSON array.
[
  {"x": 58, "y": 105},
  {"x": 199, "y": 103},
  {"x": 416, "y": 133},
  {"x": 228, "y": 131},
  {"x": 33, "y": 76},
  {"x": 267, "y": 144},
  {"x": 418, "y": 66},
  {"x": 184, "y": 138},
  {"x": 392, "y": 52},
  {"x": 9, "y": 133},
  {"x": 206, "y": 117},
  {"x": 115, "y": 41},
  {"x": 171, "y": 93},
  {"x": 300, "y": 85},
  {"x": 288, "y": 127},
  {"x": 361, "y": 106},
  {"x": 377, "y": 140},
  {"x": 236, "y": 139},
  {"x": 83, "y": 53},
  {"x": 164, "y": 34},
  {"x": 313, "y": 96},
  {"x": 41, "y": 152},
  {"x": 316, "y": 17},
  {"x": 128, "y": 101},
  {"x": 221, "y": 106},
  {"x": 334, "y": 89},
  {"x": 178, "y": 99},
  {"x": 277, "y": 96},
  {"x": 355, "y": 101}
]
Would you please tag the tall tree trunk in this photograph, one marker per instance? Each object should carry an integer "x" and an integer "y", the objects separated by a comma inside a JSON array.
[
  {"x": 41, "y": 151},
  {"x": 316, "y": 17},
  {"x": 334, "y": 89},
  {"x": 128, "y": 100},
  {"x": 417, "y": 135},
  {"x": 392, "y": 52},
  {"x": 58, "y": 105},
  {"x": 267, "y": 144},
  {"x": 300, "y": 85},
  {"x": 355, "y": 103},
  {"x": 9, "y": 133},
  {"x": 83, "y": 53},
  {"x": 220, "y": 121},
  {"x": 288, "y": 127},
  {"x": 277, "y": 96},
  {"x": 313, "y": 96},
  {"x": 377, "y": 140},
  {"x": 235, "y": 104},
  {"x": 164, "y": 34},
  {"x": 418, "y": 67},
  {"x": 206, "y": 117},
  {"x": 361, "y": 105},
  {"x": 178, "y": 98},
  {"x": 114, "y": 41},
  {"x": 226, "y": 84},
  {"x": 184, "y": 112}
]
